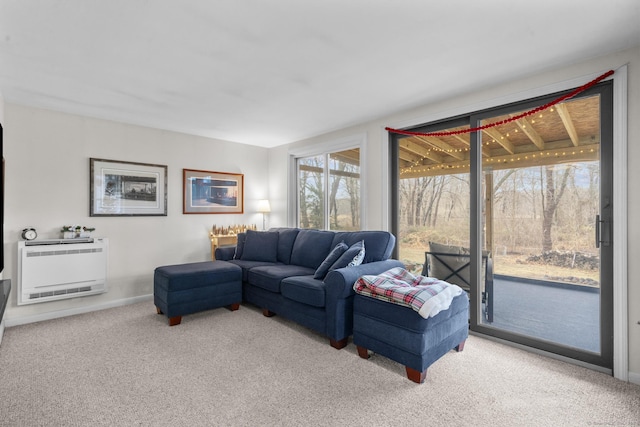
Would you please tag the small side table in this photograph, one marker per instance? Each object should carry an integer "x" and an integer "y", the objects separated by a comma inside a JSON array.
[{"x": 217, "y": 241}]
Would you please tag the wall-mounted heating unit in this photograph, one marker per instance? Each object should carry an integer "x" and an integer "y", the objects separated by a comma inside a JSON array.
[{"x": 57, "y": 269}]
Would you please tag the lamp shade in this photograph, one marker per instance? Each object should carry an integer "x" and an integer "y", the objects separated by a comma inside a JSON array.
[{"x": 263, "y": 206}]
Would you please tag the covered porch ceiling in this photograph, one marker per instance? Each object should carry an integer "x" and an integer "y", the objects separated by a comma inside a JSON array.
[{"x": 567, "y": 132}]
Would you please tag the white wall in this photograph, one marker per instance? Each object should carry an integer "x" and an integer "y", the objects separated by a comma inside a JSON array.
[
  {"x": 376, "y": 201},
  {"x": 47, "y": 186}
]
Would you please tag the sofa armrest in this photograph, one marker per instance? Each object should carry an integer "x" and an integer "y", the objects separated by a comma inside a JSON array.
[
  {"x": 339, "y": 283},
  {"x": 225, "y": 253}
]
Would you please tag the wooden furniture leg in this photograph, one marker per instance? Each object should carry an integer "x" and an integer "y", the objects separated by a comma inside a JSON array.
[
  {"x": 175, "y": 320},
  {"x": 416, "y": 376},
  {"x": 460, "y": 346},
  {"x": 158, "y": 310},
  {"x": 339, "y": 344},
  {"x": 234, "y": 307},
  {"x": 267, "y": 313},
  {"x": 362, "y": 352}
]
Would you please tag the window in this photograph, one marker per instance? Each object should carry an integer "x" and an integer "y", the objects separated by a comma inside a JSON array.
[{"x": 328, "y": 190}]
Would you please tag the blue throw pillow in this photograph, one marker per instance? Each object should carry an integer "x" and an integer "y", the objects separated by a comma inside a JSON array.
[
  {"x": 333, "y": 256},
  {"x": 260, "y": 246},
  {"x": 348, "y": 256},
  {"x": 357, "y": 260}
]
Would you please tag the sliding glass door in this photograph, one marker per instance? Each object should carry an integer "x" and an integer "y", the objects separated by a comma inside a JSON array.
[
  {"x": 546, "y": 219},
  {"x": 528, "y": 202}
]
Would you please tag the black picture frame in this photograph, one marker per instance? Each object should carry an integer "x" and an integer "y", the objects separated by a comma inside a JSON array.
[{"x": 123, "y": 188}]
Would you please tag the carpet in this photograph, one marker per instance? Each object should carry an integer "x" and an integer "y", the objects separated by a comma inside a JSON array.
[{"x": 125, "y": 366}]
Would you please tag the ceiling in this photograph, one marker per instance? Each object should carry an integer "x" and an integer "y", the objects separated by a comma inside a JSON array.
[{"x": 270, "y": 72}]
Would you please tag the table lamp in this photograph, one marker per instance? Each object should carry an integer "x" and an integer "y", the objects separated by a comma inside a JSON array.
[{"x": 263, "y": 208}]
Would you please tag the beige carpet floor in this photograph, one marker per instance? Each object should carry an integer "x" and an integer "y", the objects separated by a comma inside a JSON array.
[{"x": 124, "y": 367}]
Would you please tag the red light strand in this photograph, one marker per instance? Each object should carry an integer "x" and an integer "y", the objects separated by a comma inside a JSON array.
[{"x": 511, "y": 119}]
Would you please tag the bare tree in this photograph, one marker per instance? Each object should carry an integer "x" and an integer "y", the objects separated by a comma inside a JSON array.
[
  {"x": 353, "y": 189},
  {"x": 551, "y": 196},
  {"x": 311, "y": 193},
  {"x": 335, "y": 185}
]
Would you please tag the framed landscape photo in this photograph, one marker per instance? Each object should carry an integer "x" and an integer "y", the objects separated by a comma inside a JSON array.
[
  {"x": 207, "y": 192},
  {"x": 120, "y": 188}
]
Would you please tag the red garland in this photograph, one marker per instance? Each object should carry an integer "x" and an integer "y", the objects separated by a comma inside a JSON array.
[{"x": 511, "y": 119}]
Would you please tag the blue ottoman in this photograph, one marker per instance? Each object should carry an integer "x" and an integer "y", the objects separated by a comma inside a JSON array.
[
  {"x": 189, "y": 288},
  {"x": 402, "y": 335}
]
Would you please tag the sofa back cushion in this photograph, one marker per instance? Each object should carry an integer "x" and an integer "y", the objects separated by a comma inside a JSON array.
[
  {"x": 311, "y": 247},
  {"x": 260, "y": 246},
  {"x": 239, "y": 246},
  {"x": 378, "y": 244},
  {"x": 285, "y": 243}
]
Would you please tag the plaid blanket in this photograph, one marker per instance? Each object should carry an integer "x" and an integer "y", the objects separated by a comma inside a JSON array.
[{"x": 426, "y": 295}]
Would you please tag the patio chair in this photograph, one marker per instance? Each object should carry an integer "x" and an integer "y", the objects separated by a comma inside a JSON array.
[{"x": 453, "y": 264}]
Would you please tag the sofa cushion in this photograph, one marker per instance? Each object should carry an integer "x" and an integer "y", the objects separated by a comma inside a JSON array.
[
  {"x": 333, "y": 256},
  {"x": 285, "y": 243},
  {"x": 248, "y": 265},
  {"x": 311, "y": 248},
  {"x": 239, "y": 246},
  {"x": 269, "y": 276},
  {"x": 304, "y": 289},
  {"x": 260, "y": 246},
  {"x": 379, "y": 244},
  {"x": 347, "y": 256}
]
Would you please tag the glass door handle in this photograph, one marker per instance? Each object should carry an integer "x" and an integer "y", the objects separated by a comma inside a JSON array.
[{"x": 603, "y": 234}]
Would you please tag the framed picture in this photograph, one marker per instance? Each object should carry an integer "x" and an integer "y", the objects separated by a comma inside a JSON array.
[
  {"x": 121, "y": 188},
  {"x": 207, "y": 192}
]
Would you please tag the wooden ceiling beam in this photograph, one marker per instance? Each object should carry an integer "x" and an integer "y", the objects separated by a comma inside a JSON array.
[
  {"x": 510, "y": 161},
  {"x": 549, "y": 156},
  {"x": 351, "y": 157},
  {"x": 409, "y": 157},
  {"x": 486, "y": 152},
  {"x": 319, "y": 170},
  {"x": 414, "y": 148},
  {"x": 500, "y": 139},
  {"x": 443, "y": 146},
  {"x": 563, "y": 112},
  {"x": 528, "y": 130}
]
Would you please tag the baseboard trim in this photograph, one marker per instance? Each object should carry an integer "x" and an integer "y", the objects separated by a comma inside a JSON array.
[
  {"x": 634, "y": 377},
  {"x": 73, "y": 311}
]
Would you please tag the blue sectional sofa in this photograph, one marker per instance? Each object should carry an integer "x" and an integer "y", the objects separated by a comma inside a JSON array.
[{"x": 307, "y": 276}]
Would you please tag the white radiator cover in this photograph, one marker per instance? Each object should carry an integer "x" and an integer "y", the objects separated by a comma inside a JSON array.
[{"x": 51, "y": 272}]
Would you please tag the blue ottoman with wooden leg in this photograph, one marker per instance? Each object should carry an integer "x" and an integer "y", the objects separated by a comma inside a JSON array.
[
  {"x": 188, "y": 288},
  {"x": 401, "y": 334}
]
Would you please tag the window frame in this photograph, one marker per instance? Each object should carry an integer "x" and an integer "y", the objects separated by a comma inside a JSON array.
[
  {"x": 324, "y": 149},
  {"x": 620, "y": 143}
]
